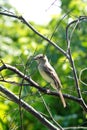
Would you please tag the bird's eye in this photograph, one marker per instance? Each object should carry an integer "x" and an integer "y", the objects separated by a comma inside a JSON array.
[{"x": 41, "y": 57}]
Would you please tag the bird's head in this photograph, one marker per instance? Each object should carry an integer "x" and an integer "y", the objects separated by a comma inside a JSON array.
[{"x": 41, "y": 58}]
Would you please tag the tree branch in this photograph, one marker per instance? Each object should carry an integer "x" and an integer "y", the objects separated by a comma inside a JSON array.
[
  {"x": 76, "y": 22},
  {"x": 76, "y": 128},
  {"x": 68, "y": 39},
  {"x": 36, "y": 32},
  {"x": 41, "y": 89},
  {"x": 28, "y": 108}
]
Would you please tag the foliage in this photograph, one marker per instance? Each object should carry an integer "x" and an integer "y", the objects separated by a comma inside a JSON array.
[{"x": 19, "y": 44}]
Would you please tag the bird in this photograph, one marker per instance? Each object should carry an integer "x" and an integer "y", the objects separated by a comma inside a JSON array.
[{"x": 49, "y": 74}]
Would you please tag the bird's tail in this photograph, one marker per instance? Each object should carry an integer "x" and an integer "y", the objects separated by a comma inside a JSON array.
[{"x": 62, "y": 98}]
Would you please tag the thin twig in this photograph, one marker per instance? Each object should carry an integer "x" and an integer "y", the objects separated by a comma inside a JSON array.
[
  {"x": 48, "y": 110},
  {"x": 81, "y": 75},
  {"x": 41, "y": 89},
  {"x": 69, "y": 38},
  {"x": 75, "y": 76},
  {"x": 36, "y": 32},
  {"x": 59, "y": 22},
  {"x": 70, "y": 57},
  {"x": 78, "y": 20},
  {"x": 28, "y": 108},
  {"x": 76, "y": 128},
  {"x": 14, "y": 82}
]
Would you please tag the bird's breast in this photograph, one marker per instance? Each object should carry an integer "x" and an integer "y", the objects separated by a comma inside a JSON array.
[{"x": 44, "y": 74}]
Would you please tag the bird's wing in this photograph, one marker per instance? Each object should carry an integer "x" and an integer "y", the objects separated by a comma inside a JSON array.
[{"x": 49, "y": 70}]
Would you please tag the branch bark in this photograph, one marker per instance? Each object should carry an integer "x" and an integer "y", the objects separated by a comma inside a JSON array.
[
  {"x": 28, "y": 108},
  {"x": 36, "y": 32},
  {"x": 41, "y": 89},
  {"x": 67, "y": 54}
]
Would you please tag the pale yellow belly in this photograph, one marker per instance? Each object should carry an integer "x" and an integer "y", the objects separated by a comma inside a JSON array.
[{"x": 46, "y": 77}]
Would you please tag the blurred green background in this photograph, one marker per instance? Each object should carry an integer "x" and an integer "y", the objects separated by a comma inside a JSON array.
[{"x": 17, "y": 46}]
